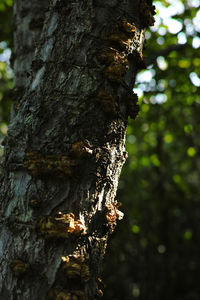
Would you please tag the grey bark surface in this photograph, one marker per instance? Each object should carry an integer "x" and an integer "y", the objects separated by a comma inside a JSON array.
[
  {"x": 28, "y": 19},
  {"x": 65, "y": 147}
]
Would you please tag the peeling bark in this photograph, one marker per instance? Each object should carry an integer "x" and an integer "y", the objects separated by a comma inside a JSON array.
[{"x": 65, "y": 147}]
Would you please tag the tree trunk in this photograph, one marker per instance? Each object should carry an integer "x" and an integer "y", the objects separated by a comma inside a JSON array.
[
  {"x": 28, "y": 22},
  {"x": 65, "y": 145}
]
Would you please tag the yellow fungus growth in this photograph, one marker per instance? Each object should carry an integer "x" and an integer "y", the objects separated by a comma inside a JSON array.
[
  {"x": 100, "y": 286},
  {"x": 116, "y": 63},
  {"x": 110, "y": 55},
  {"x": 56, "y": 294},
  {"x": 61, "y": 226},
  {"x": 108, "y": 102},
  {"x": 116, "y": 70},
  {"x": 19, "y": 267},
  {"x": 128, "y": 27},
  {"x": 38, "y": 163},
  {"x": 100, "y": 293},
  {"x": 123, "y": 33},
  {"x": 123, "y": 26},
  {"x": 76, "y": 267},
  {"x": 122, "y": 39},
  {"x": 113, "y": 214},
  {"x": 79, "y": 150}
]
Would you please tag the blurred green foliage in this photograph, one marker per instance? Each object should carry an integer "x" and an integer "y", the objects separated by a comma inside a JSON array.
[
  {"x": 154, "y": 252},
  {"x": 6, "y": 75},
  {"x": 6, "y": 21}
]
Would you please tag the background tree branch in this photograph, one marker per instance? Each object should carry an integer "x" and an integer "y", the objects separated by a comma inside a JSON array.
[{"x": 164, "y": 52}]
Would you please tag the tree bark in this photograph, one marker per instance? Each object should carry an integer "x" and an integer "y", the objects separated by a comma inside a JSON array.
[
  {"x": 28, "y": 22},
  {"x": 65, "y": 145}
]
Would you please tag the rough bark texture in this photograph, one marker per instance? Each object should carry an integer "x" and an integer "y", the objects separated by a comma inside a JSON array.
[
  {"x": 28, "y": 22},
  {"x": 65, "y": 147}
]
